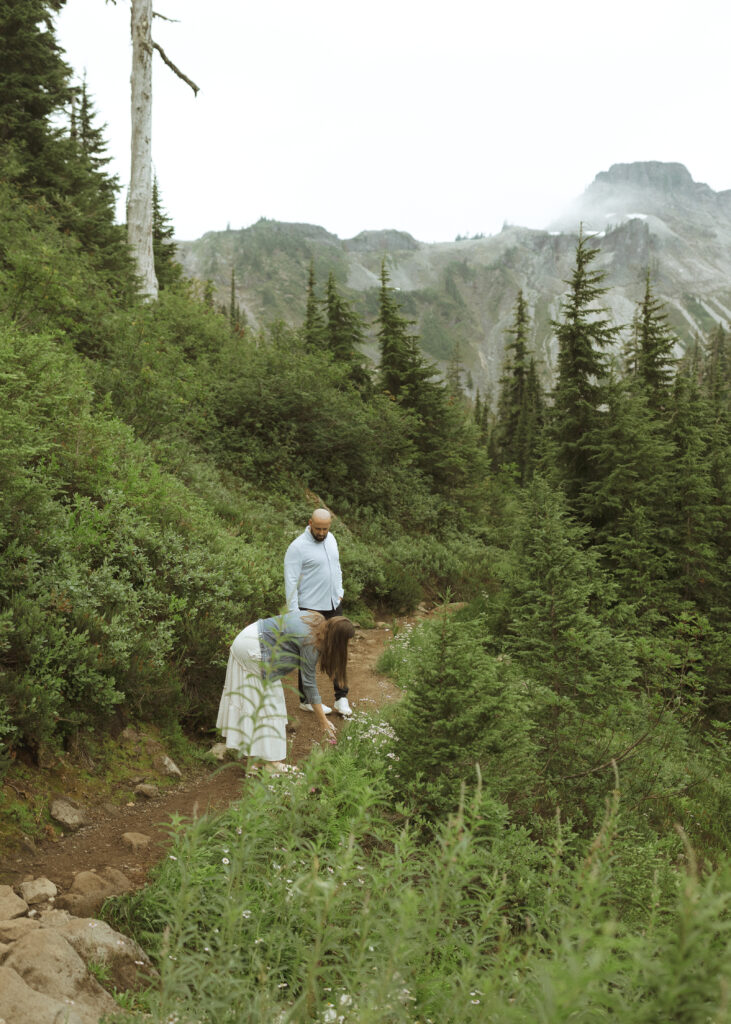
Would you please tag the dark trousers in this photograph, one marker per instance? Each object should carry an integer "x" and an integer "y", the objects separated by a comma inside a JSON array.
[{"x": 340, "y": 691}]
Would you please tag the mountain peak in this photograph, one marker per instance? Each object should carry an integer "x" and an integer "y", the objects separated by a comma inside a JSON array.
[
  {"x": 654, "y": 174},
  {"x": 664, "y": 192},
  {"x": 388, "y": 240}
]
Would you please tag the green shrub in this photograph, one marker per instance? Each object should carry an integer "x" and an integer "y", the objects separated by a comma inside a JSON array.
[
  {"x": 118, "y": 587},
  {"x": 478, "y": 715}
]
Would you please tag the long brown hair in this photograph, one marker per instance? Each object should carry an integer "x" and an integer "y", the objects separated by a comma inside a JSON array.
[{"x": 331, "y": 638}]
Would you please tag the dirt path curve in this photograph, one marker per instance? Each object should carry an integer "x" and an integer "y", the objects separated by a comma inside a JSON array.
[{"x": 99, "y": 843}]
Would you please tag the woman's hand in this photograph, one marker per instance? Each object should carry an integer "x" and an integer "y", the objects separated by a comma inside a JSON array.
[
  {"x": 330, "y": 733},
  {"x": 328, "y": 728}
]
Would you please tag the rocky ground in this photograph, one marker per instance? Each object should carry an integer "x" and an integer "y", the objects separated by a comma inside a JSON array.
[{"x": 50, "y": 891}]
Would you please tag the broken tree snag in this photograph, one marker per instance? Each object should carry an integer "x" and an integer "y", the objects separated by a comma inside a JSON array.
[
  {"x": 139, "y": 199},
  {"x": 177, "y": 70}
]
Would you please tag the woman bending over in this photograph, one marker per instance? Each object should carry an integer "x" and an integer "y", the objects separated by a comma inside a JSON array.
[{"x": 252, "y": 715}]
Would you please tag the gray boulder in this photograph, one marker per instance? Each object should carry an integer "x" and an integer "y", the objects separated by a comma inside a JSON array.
[
  {"x": 129, "y": 965},
  {"x": 48, "y": 964},
  {"x": 40, "y": 890},
  {"x": 11, "y": 905},
  {"x": 21, "y": 1004},
  {"x": 68, "y": 813}
]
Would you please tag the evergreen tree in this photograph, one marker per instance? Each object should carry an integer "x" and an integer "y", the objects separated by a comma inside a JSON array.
[
  {"x": 167, "y": 269},
  {"x": 717, "y": 390},
  {"x": 89, "y": 136},
  {"x": 447, "y": 444},
  {"x": 556, "y": 626},
  {"x": 520, "y": 405},
  {"x": 650, "y": 353},
  {"x": 403, "y": 372},
  {"x": 699, "y": 499},
  {"x": 453, "y": 378},
  {"x": 34, "y": 87},
  {"x": 236, "y": 316},
  {"x": 344, "y": 334},
  {"x": 478, "y": 713},
  {"x": 48, "y": 162},
  {"x": 717, "y": 377},
  {"x": 88, "y": 208},
  {"x": 477, "y": 409},
  {"x": 313, "y": 329},
  {"x": 698, "y": 515},
  {"x": 629, "y": 501},
  {"x": 579, "y": 414}
]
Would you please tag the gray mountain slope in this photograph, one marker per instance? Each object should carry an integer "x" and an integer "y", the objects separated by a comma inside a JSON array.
[{"x": 461, "y": 294}]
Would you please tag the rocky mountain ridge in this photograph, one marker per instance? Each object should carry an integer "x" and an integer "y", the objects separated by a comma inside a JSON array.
[{"x": 644, "y": 216}]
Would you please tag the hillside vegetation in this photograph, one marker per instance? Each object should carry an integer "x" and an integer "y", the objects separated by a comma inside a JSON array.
[{"x": 539, "y": 830}]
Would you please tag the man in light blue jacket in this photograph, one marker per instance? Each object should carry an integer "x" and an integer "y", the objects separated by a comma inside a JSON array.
[{"x": 313, "y": 582}]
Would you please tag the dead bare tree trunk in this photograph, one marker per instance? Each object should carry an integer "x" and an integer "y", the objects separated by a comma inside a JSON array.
[{"x": 139, "y": 198}]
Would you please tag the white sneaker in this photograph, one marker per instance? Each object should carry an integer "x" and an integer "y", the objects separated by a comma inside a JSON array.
[
  {"x": 343, "y": 708},
  {"x": 309, "y": 707}
]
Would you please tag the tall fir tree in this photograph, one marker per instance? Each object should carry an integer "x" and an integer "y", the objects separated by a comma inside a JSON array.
[
  {"x": 167, "y": 269},
  {"x": 700, "y": 543},
  {"x": 49, "y": 146},
  {"x": 520, "y": 403},
  {"x": 628, "y": 502},
  {"x": 717, "y": 376},
  {"x": 404, "y": 373},
  {"x": 35, "y": 85},
  {"x": 89, "y": 207},
  {"x": 454, "y": 377},
  {"x": 236, "y": 315},
  {"x": 345, "y": 334},
  {"x": 717, "y": 392},
  {"x": 578, "y": 416},
  {"x": 556, "y": 625},
  {"x": 650, "y": 354},
  {"x": 313, "y": 328},
  {"x": 698, "y": 515}
]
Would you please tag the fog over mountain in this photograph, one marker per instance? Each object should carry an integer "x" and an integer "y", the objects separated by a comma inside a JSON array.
[{"x": 647, "y": 215}]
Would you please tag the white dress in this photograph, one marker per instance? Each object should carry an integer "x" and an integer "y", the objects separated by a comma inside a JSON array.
[{"x": 252, "y": 715}]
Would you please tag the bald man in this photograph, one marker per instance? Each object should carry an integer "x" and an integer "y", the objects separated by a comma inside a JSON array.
[{"x": 313, "y": 582}]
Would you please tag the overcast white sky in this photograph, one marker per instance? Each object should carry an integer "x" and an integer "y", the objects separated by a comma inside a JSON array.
[{"x": 437, "y": 118}]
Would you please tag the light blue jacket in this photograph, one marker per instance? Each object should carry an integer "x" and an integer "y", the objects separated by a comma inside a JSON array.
[
  {"x": 312, "y": 575},
  {"x": 286, "y": 643}
]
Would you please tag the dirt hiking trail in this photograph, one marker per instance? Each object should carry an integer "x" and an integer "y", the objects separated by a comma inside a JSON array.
[{"x": 98, "y": 844}]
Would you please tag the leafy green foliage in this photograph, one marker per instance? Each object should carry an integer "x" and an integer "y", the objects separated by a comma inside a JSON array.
[
  {"x": 118, "y": 586},
  {"x": 46, "y": 282},
  {"x": 309, "y": 900}
]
